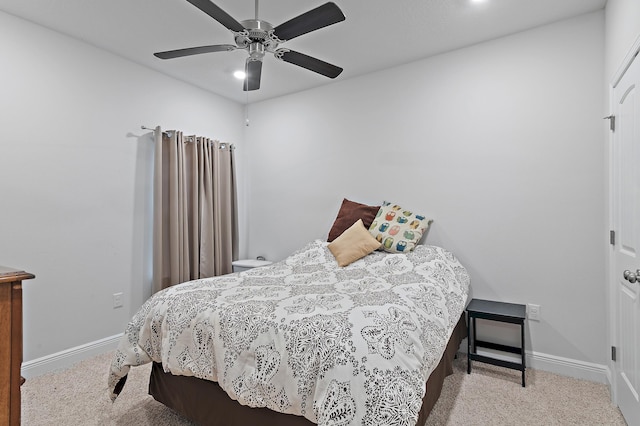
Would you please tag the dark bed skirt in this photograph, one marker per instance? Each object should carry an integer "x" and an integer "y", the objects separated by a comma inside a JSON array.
[{"x": 206, "y": 403}]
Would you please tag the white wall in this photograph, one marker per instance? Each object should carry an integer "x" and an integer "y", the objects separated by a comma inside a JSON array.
[
  {"x": 501, "y": 143},
  {"x": 75, "y": 173}
]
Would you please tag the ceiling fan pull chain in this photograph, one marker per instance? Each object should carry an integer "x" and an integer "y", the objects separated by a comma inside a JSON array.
[{"x": 246, "y": 111}]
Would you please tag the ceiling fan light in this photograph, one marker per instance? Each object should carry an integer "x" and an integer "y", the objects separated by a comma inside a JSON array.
[{"x": 240, "y": 75}]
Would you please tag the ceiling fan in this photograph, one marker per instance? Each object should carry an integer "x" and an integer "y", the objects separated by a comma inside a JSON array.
[{"x": 258, "y": 37}]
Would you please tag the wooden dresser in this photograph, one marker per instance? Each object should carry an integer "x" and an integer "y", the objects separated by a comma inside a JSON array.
[{"x": 11, "y": 343}]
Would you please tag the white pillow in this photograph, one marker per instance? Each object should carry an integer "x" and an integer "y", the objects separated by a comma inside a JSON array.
[{"x": 398, "y": 229}]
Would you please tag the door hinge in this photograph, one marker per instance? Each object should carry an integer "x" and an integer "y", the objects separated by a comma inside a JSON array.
[
  {"x": 613, "y": 353},
  {"x": 612, "y": 238},
  {"x": 612, "y": 122}
]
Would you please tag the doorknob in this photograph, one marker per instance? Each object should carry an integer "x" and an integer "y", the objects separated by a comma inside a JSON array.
[{"x": 632, "y": 277}]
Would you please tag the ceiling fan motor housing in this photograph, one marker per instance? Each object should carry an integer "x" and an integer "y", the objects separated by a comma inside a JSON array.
[{"x": 257, "y": 38}]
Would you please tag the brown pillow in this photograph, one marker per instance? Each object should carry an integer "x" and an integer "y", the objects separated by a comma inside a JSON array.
[
  {"x": 349, "y": 213},
  {"x": 354, "y": 243}
]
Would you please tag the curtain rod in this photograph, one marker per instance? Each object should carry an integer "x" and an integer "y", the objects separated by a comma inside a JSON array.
[
  {"x": 190, "y": 138},
  {"x": 153, "y": 130}
]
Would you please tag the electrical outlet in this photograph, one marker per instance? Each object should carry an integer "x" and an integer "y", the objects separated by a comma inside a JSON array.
[
  {"x": 533, "y": 312},
  {"x": 117, "y": 300}
]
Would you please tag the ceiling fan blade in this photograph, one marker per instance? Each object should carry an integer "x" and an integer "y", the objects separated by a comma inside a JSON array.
[
  {"x": 308, "y": 62},
  {"x": 253, "y": 69},
  {"x": 218, "y": 14},
  {"x": 170, "y": 54},
  {"x": 320, "y": 17}
]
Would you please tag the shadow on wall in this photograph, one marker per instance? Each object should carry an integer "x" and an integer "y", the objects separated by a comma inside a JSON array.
[{"x": 142, "y": 233}]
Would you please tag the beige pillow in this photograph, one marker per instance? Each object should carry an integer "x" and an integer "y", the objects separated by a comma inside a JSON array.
[{"x": 353, "y": 244}]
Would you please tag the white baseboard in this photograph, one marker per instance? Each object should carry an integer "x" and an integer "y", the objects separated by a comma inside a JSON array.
[
  {"x": 68, "y": 357},
  {"x": 563, "y": 366},
  {"x": 569, "y": 367},
  {"x": 555, "y": 364}
]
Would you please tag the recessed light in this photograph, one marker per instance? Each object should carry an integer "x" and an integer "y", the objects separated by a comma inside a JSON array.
[{"x": 240, "y": 75}]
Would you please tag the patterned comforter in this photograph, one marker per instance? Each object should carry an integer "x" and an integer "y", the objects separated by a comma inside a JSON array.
[{"x": 339, "y": 346}]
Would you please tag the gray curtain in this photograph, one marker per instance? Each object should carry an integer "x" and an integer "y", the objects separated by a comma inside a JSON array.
[{"x": 195, "y": 230}]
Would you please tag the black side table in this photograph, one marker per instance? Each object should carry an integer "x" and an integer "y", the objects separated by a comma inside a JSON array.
[{"x": 495, "y": 311}]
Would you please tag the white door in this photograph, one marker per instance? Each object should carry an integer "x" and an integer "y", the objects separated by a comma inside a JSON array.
[{"x": 626, "y": 221}]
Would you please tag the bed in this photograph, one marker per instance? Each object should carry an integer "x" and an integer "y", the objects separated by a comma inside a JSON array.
[
  {"x": 304, "y": 341},
  {"x": 204, "y": 402}
]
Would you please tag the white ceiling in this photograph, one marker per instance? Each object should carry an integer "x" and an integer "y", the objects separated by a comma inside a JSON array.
[{"x": 376, "y": 34}]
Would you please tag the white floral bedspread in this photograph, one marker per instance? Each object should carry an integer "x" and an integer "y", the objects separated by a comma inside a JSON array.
[{"x": 339, "y": 346}]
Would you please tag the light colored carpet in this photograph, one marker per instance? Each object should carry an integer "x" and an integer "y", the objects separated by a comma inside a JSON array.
[
  {"x": 489, "y": 396},
  {"x": 494, "y": 396}
]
